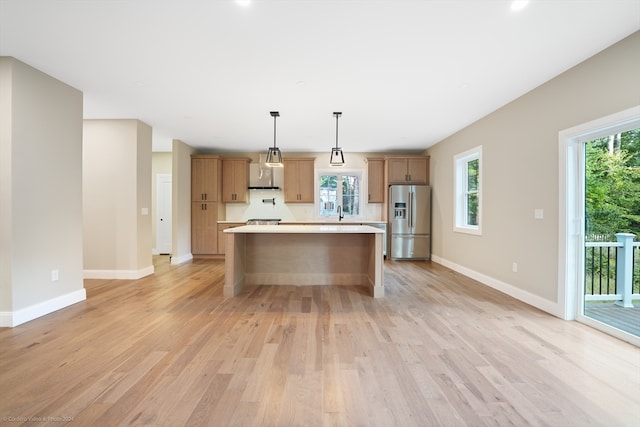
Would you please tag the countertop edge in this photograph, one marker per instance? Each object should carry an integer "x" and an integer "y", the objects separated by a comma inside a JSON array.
[
  {"x": 305, "y": 229},
  {"x": 312, "y": 222}
]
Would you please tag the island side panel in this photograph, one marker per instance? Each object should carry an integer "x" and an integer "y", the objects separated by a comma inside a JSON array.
[
  {"x": 307, "y": 259},
  {"x": 376, "y": 266},
  {"x": 234, "y": 264}
]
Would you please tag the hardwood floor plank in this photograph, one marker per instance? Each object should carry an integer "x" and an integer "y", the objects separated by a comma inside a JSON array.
[
  {"x": 202, "y": 415},
  {"x": 439, "y": 349}
]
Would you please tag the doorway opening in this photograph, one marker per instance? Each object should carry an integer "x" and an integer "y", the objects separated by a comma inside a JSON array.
[
  {"x": 611, "y": 292},
  {"x": 163, "y": 214},
  {"x": 575, "y": 269}
]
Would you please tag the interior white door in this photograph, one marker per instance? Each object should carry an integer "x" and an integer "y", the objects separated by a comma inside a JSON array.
[{"x": 163, "y": 213}]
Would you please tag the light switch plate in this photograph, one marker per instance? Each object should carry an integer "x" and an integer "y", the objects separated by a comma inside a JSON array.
[{"x": 538, "y": 213}]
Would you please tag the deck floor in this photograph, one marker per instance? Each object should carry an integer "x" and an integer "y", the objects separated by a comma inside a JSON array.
[{"x": 625, "y": 319}]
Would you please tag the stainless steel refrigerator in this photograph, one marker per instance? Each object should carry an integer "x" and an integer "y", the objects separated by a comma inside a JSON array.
[{"x": 410, "y": 221}]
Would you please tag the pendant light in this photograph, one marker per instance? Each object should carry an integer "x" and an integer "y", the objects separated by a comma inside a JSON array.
[
  {"x": 337, "y": 157},
  {"x": 274, "y": 156}
]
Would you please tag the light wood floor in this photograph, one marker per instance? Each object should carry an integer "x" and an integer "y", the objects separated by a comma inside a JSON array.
[{"x": 439, "y": 349}]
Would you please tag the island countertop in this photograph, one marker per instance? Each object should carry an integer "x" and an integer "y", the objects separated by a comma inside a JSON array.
[
  {"x": 306, "y": 229},
  {"x": 312, "y": 222}
]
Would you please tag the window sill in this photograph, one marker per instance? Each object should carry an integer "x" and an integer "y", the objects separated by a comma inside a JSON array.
[{"x": 468, "y": 230}]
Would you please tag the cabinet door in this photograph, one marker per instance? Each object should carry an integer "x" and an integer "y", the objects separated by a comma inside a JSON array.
[
  {"x": 222, "y": 236},
  {"x": 298, "y": 180},
  {"x": 204, "y": 228},
  {"x": 205, "y": 179},
  {"x": 397, "y": 170},
  {"x": 418, "y": 170},
  {"x": 375, "y": 180},
  {"x": 305, "y": 180},
  {"x": 241, "y": 180},
  {"x": 235, "y": 180},
  {"x": 290, "y": 181}
]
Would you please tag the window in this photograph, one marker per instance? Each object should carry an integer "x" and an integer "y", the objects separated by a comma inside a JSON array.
[
  {"x": 468, "y": 187},
  {"x": 341, "y": 189}
]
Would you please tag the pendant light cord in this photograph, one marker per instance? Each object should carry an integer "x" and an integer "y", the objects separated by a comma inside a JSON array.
[
  {"x": 337, "y": 130},
  {"x": 274, "y": 114},
  {"x": 337, "y": 114}
]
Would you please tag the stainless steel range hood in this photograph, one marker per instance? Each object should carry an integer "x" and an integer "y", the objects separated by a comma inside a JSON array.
[{"x": 262, "y": 177}]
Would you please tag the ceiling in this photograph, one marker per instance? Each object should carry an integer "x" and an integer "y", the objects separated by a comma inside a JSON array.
[{"x": 404, "y": 73}]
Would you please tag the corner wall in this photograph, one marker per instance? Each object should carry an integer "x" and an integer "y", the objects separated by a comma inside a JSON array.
[
  {"x": 520, "y": 173},
  {"x": 40, "y": 194},
  {"x": 117, "y": 199},
  {"x": 181, "y": 193}
]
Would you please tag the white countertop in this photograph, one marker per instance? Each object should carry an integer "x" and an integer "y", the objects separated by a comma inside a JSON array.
[{"x": 306, "y": 229}]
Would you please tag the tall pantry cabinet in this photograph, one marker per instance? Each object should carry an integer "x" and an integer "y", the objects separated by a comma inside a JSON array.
[{"x": 206, "y": 205}]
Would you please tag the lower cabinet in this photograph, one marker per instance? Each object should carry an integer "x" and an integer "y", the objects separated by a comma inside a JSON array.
[
  {"x": 221, "y": 235},
  {"x": 204, "y": 228}
]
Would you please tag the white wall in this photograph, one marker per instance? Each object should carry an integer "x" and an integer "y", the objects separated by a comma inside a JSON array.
[
  {"x": 40, "y": 193},
  {"x": 520, "y": 167},
  {"x": 117, "y": 188}
]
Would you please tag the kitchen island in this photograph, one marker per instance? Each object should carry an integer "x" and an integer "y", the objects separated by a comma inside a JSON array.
[{"x": 302, "y": 255}]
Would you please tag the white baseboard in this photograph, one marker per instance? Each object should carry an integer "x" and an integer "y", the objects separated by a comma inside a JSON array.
[
  {"x": 180, "y": 259},
  {"x": 18, "y": 317},
  {"x": 118, "y": 274},
  {"x": 543, "y": 304}
]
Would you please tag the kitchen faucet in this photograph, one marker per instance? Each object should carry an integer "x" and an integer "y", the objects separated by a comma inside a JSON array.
[{"x": 340, "y": 216}]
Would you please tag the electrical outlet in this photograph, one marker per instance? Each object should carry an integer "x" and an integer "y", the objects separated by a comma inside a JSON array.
[
  {"x": 514, "y": 267},
  {"x": 55, "y": 275}
]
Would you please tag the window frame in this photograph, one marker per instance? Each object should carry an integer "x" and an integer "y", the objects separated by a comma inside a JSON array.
[
  {"x": 460, "y": 178},
  {"x": 339, "y": 172}
]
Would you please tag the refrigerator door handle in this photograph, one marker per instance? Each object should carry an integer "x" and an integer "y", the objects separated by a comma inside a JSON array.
[{"x": 410, "y": 209}]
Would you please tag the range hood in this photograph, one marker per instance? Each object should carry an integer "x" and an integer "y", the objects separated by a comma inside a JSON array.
[{"x": 262, "y": 177}]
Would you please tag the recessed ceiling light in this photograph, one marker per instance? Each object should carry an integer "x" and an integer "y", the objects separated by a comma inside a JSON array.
[
  {"x": 243, "y": 3},
  {"x": 517, "y": 5}
]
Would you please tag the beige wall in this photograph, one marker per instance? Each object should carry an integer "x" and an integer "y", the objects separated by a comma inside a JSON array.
[
  {"x": 181, "y": 193},
  {"x": 117, "y": 187},
  {"x": 40, "y": 193},
  {"x": 6, "y": 211},
  {"x": 520, "y": 167},
  {"x": 143, "y": 198}
]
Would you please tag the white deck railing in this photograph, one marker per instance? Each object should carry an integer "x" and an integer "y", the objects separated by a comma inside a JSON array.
[{"x": 624, "y": 271}]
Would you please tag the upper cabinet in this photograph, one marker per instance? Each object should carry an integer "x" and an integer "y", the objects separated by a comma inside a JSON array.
[
  {"x": 205, "y": 178},
  {"x": 408, "y": 170},
  {"x": 298, "y": 180},
  {"x": 235, "y": 180},
  {"x": 375, "y": 167}
]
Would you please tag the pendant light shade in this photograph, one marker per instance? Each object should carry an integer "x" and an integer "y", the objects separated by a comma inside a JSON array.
[
  {"x": 337, "y": 156},
  {"x": 274, "y": 156}
]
